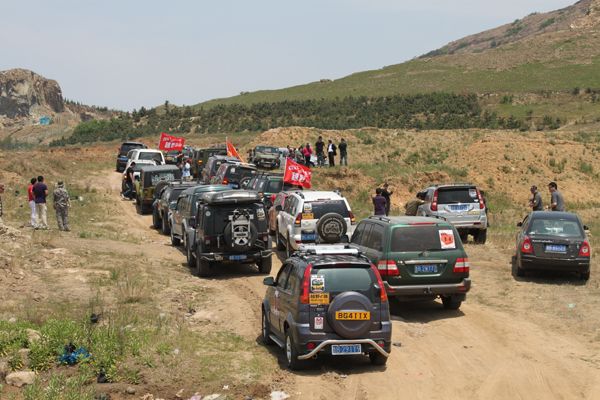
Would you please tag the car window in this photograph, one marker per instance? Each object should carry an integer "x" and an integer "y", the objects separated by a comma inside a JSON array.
[
  {"x": 282, "y": 276},
  {"x": 149, "y": 156},
  {"x": 279, "y": 200},
  {"x": 274, "y": 186},
  {"x": 320, "y": 208},
  {"x": 457, "y": 195},
  {"x": 423, "y": 237},
  {"x": 558, "y": 227},
  {"x": 375, "y": 238},
  {"x": 292, "y": 282},
  {"x": 351, "y": 278},
  {"x": 359, "y": 233}
]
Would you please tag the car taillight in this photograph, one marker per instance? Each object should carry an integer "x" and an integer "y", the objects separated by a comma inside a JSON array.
[
  {"x": 304, "y": 297},
  {"x": 526, "y": 246},
  {"x": 388, "y": 268},
  {"x": 585, "y": 250},
  {"x": 434, "y": 204},
  {"x": 481, "y": 203},
  {"x": 352, "y": 219},
  {"x": 298, "y": 219},
  {"x": 462, "y": 265},
  {"x": 310, "y": 346},
  {"x": 225, "y": 181},
  {"x": 382, "y": 293}
]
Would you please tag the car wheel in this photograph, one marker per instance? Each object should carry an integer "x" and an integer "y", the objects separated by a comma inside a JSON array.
[
  {"x": 175, "y": 241},
  {"x": 138, "y": 208},
  {"x": 451, "y": 302},
  {"x": 264, "y": 265},
  {"x": 464, "y": 236},
  {"x": 266, "y": 331},
  {"x": 377, "y": 358},
  {"x": 191, "y": 258},
  {"x": 481, "y": 236},
  {"x": 202, "y": 267},
  {"x": 156, "y": 222},
  {"x": 516, "y": 270},
  {"x": 165, "y": 229},
  {"x": 291, "y": 353},
  {"x": 279, "y": 241},
  {"x": 584, "y": 276}
]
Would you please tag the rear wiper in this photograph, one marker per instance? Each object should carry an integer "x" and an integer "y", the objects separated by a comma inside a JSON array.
[{"x": 428, "y": 250}]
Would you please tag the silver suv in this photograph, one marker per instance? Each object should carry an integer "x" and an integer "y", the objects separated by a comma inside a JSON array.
[
  {"x": 313, "y": 217},
  {"x": 462, "y": 205}
]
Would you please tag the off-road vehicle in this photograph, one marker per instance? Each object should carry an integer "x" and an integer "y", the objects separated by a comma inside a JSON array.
[
  {"x": 166, "y": 194},
  {"x": 201, "y": 157},
  {"x": 418, "y": 258},
  {"x": 266, "y": 157},
  {"x": 462, "y": 205},
  {"x": 231, "y": 227},
  {"x": 327, "y": 300},
  {"x": 124, "y": 150},
  {"x": 213, "y": 164},
  {"x": 150, "y": 176},
  {"x": 237, "y": 175}
]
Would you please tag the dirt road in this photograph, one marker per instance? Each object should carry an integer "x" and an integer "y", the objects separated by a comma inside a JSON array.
[{"x": 506, "y": 342}]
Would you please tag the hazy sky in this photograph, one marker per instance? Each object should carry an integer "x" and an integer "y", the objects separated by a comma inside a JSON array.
[{"x": 129, "y": 53}]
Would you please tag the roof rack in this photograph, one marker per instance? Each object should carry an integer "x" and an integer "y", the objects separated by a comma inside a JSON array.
[
  {"x": 455, "y": 184},
  {"x": 327, "y": 249},
  {"x": 380, "y": 218}
]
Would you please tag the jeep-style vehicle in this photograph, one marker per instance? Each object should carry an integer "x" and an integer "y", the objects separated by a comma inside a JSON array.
[
  {"x": 418, "y": 258},
  {"x": 164, "y": 202},
  {"x": 231, "y": 227},
  {"x": 150, "y": 176},
  {"x": 327, "y": 300},
  {"x": 266, "y": 157},
  {"x": 201, "y": 157},
  {"x": 213, "y": 164},
  {"x": 236, "y": 175}
]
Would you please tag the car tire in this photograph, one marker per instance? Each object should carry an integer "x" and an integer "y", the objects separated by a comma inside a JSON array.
[
  {"x": 175, "y": 241},
  {"x": 165, "y": 228},
  {"x": 291, "y": 353},
  {"x": 265, "y": 265},
  {"x": 481, "y": 236},
  {"x": 280, "y": 245},
  {"x": 138, "y": 208},
  {"x": 331, "y": 227},
  {"x": 451, "y": 302},
  {"x": 516, "y": 270},
  {"x": 156, "y": 222},
  {"x": 584, "y": 276},
  {"x": 377, "y": 358},
  {"x": 202, "y": 267},
  {"x": 464, "y": 236},
  {"x": 189, "y": 254},
  {"x": 266, "y": 331}
]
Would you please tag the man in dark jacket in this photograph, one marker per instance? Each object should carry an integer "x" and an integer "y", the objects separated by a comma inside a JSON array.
[
  {"x": 387, "y": 194},
  {"x": 319, "y": 150},
  {"x": 343, "y": 146},
  {"x": 379, "y": 203},
  {"x": 331, "y": 152}
]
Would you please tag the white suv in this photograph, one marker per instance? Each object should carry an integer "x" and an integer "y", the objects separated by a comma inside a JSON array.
[{"x": 313, "y": 217}]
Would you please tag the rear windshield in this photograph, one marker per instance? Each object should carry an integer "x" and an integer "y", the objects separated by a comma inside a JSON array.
[
  {"x": 268, "y": 186},
  {"x": 559, "y": 227},
  {"x": 264, "y": 149},
  {"x": 341, "y": 279},
  {"x": 175, "y": 193},
  {"x": 320, "y": 208},
  {"x": 149, "y": 156},
  {"x": 236, "y": 173},
  {"x": 159, "y": 176},
  {"x": 423, "y": 237},
  {"x": 457, "y": 195},
  {"x": 126, "y": 147}
]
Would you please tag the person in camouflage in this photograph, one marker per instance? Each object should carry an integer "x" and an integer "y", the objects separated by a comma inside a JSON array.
[{"x": 62, "y": 202}]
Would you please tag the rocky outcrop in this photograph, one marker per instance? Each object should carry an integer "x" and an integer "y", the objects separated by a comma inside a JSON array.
[{"x": 22, "y": 91}]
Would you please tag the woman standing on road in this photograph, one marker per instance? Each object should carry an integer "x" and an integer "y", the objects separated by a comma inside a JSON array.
[{"x": 307, "y": 152}]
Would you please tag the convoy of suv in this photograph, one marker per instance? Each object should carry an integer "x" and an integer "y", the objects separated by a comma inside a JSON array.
[{"x": 330, "y": 296}]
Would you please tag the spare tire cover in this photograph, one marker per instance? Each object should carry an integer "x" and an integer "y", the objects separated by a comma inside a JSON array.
[
  {"x": 240, "y": 244},
  {"x": 331, "y": 227},
  {"x": 352, "y": 302}
]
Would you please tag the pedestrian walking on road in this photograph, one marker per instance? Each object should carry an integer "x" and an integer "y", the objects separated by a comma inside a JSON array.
[
  {"x": 379, "y": 203},
  {"x": 343, "y": 146},
  {"x": 40, "y": 192},
  {"x": 387, "y": 194},
  {"x": 31, "y": 198},
  {"x": 62, "y": 202},
  {"x": 536, "y": 202},
  {"x": 412, "y": 207},
  {"x": 331, "y": 152},
  {"x": 320, "y": 151},
  {"x": 557, "y": 202}
]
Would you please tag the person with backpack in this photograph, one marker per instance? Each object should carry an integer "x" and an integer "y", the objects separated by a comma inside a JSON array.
[{"x": 331, "y": 152}]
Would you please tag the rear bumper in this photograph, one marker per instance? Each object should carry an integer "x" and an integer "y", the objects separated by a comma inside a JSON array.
[
  {"x": 429, "y": 290},
  {"x": 371, "y": 343},
  {"x": 549, "y": 264},
  {"x": 227, "y": 257}
]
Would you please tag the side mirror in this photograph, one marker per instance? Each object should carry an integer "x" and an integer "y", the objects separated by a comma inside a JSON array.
[
  {"x": 278, "y": 208},
  {"x": 519, "y": 224},
  {"x": 269, "y": 281}
]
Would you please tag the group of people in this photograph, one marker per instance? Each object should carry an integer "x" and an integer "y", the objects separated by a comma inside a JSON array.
[
  {"x": 557, "y": 201},
  {"x": 37, "y": 193},
  {"x": 304, "y": 153}
]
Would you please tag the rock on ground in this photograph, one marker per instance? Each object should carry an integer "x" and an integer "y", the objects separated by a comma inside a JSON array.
[{"x": 21, "y": 378}]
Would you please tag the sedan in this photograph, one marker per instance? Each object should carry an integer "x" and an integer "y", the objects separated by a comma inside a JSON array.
[{"x": 552, "y": 241}]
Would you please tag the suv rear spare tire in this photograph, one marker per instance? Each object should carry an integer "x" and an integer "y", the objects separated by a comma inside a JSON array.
[
  {"x": 331, "y": 227},
  {"x": 351, "y": 303}
]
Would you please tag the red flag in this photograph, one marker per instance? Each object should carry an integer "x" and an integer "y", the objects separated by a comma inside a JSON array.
[
  {"x": 297, "y": 174},
  {"x": 168, "y": 142},
  {"x": 231, "y": 150}
]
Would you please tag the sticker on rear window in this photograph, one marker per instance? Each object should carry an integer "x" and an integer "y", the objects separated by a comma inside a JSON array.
[
  {"x": 317, "y": 283},
  {"x": 473, "y": 193},
  {"x": 318, "y": 322},
  {"x": 307, "y": 207},
  {"x": 447, "y": 239}
]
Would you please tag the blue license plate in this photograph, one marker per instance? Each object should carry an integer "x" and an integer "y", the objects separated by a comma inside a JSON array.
[
  {"x": 238, "y": 258},
  {"x": 426, "y": 269},
  {"x": 308, "y": 237},
  {"x": 556, "y": 248},
  {"x": 345, "y": 349},
  {"x": 459, "y": 207}
]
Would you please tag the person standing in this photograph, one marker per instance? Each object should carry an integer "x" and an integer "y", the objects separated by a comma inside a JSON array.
[
  {"x": 536, "y": 203},
  {"x": 343, "y": 146},
  {"x": 128, "y": 193},
  {"x": 557, "y": 202},
  {"x": 62, "y": 202},
  {"x": 379, "y": 203},
  {"x": 331, "y": 152},
  {"x": 40, "y": 191},
  {"x": 307, "y": 152},
  {"x": 387, "y": 194},
  {"x": 412, "y": 207},
  {"x": 320, "y": 150},
  {"x": 186, "y": 172},
  {"x": 31, "y": 198}
]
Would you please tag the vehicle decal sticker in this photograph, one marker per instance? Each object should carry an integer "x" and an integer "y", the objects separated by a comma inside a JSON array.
[
  {"x": 473, "y": 193},
  {"x": 319, "y": 298},
  {"x": 317, "y": 283},
  {"x": 447, "y": 239},
  {"x": 318, "y": 322}
]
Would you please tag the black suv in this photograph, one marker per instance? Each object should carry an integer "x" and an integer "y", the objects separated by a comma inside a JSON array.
[
  {"x": 122, "y": 155},
  {"x": 231, "y": 227},
  {"x": 201, "y": 156},
  {"x": 330, "y": 300},
  {"x": 268, "y": 184},
  {"x": 213, "y": 164},
  {"x": 237, "y": 175},
  {"x": 165, "y": 200}
]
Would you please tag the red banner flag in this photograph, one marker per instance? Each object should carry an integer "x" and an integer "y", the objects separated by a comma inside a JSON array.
[
  {"x": 168, "y": 142},
  {"x": 297, "y": 174},
  {"x": 231, "y": 150}
]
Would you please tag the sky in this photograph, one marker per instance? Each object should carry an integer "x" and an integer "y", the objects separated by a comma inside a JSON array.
[{"x": 125, "y": 54}]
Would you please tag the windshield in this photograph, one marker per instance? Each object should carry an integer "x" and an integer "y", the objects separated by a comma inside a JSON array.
[
  {"x": 338, "y": 280},
  {"x": 423, "y": 237},
  {"x": 558, "y": 227},
  {"x": 457, "y": 195},
  {"x": 126, "y": 147},
  {"x": 265, "y": 149},
  {"x": 320, "y": 208},
  {"x": 149, "y": 156}
]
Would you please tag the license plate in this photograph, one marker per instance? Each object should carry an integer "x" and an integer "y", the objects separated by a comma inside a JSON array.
[
  {"x": 426, "y": 269},
  {"x": 344, "y": 349},
  {"x": 238, "y": 258},
  {"x": 459, "y": 207},
  {"x": 308, "y": 237},
  {"x": 556, "y": 248},
  {"x": 353, "y": 315}
]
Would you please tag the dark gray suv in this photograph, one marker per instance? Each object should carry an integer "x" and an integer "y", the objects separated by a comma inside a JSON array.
[{"x": 327, "y": 299}]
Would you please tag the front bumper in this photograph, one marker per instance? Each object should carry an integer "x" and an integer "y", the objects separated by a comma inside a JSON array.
[
  {"x": 235, "y": 258},
  {"x": 442, "y": 289},
  {"x": 549, "y": 264}
]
